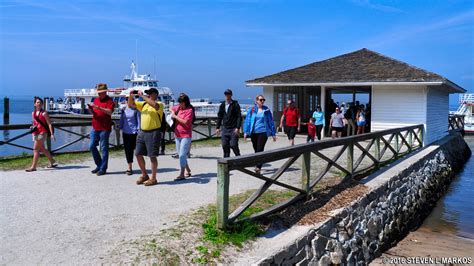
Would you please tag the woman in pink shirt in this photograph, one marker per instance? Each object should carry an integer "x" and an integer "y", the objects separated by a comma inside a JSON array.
[{"x": 183, "y": 131}]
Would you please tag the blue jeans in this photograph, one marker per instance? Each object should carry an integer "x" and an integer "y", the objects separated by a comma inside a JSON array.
[
  {"x": 101, "y": 137},
  {"x": 182, "y": 148}
]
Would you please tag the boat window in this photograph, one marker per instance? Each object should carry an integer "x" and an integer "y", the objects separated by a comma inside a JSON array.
[
  {"x": 140, "y": 83},
  {"x": 155, "y": 84},
  {"x": 150, "y": 84},
  {"x": 134, "y": 84}
]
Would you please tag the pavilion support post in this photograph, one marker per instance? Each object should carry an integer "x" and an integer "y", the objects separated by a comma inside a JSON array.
[{"x": 222, "y": 195}]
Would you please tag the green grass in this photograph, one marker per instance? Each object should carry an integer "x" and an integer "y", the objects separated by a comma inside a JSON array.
[
  {"x": 242, "y": 231},
  {"x": 195, "y": 238},
  {"x": 238, "y": 233},
  {"x": 24, "y": 161}
]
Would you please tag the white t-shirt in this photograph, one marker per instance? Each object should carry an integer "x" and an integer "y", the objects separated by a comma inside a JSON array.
[{"x": 337, "y": 120}]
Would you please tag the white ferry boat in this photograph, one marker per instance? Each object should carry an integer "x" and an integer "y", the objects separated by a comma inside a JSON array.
[
  {"x": 466, "y": 108},
  {"x": 75, "y": 100}
]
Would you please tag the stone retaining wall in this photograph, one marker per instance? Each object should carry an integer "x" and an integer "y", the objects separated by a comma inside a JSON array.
[{"x": 399, "y": 199}]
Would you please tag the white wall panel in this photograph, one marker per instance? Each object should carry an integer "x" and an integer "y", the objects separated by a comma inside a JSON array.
[
  {"x": 397, "y": 106},
  {"x": 437, "y": 114}
]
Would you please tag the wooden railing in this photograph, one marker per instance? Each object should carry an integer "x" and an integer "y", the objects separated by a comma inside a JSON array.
[
  {"x": 199, "y": 124},
  {"x": 379, "y": 147},
  {"x": 57, "y": 126},
  {"x": 456, "y": 123}
]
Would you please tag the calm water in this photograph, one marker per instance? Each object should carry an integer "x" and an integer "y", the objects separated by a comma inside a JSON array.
[{"x": 454, "y": 213}]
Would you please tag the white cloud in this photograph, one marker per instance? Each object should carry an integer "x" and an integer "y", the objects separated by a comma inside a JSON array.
[{"x": 380, "y": 7}]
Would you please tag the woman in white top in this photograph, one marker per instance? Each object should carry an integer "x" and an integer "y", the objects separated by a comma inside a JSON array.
[
  {"x": 360, "y": 120},
  {"x": 336, "y": 124}
]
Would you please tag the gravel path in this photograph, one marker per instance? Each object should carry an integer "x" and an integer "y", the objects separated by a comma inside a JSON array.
[{"x": 68, "y": 215}]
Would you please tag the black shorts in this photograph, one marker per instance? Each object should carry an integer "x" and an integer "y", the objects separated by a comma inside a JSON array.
[
  {"x": 338, "y": 129},
  {"x": 148, "y": 143},
  {"x": 290, "y": 132}
]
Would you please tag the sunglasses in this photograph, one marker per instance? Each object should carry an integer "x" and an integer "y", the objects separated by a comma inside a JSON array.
[{"x": 261, "y": 100}]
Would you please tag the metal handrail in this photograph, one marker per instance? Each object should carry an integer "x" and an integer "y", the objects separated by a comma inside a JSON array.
[{"x": 392, "y": 140}]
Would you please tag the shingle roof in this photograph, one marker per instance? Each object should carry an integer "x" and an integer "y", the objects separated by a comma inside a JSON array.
[{"x": 360, "y": 66}]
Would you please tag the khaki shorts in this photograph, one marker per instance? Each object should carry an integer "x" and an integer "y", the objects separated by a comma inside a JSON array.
[{"x": 39, "y": 137}]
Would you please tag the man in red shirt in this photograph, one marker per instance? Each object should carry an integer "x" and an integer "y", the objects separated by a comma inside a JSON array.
[
  {"x": 101, "y": 110},
  {"x": 292, "y": 122}
]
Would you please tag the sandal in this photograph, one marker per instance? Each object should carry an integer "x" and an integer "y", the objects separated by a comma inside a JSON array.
[
  {"x": 30, "y": 170},
  {"x": 128, "y": 172},
  {"x": 258, "y": 170},
  {"x": 188, "y": 174},
  {"x": 150, "y": 182},
  {"x": 52, "y": 165},
  {"x": 179, "y": 178},
  {"x": 142, "y": 179}
]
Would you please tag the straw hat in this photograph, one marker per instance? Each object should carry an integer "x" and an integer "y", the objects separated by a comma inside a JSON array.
[{"x": 101, "y": 87}]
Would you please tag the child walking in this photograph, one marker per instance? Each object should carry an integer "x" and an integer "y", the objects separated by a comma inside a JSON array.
[{"x": 311, "y": 130}]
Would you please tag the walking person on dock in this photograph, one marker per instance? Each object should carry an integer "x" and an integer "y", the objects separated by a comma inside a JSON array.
[
  {"x": 40, "y": 130},
  {"x": 101, "y": 110},
  {"x": 319, "y": 122},
  {"x": 259, "y": 126},
  {"x": 292, "y": 121},
  {"x": 183, "y": 115},
  {"x": 129, "y": 124},
  {"x": 229, "y": 121},
  {"x": 336, "y": 124},
  {"x": 360, "y": 120},
  {"x": 149, "y": 135}
]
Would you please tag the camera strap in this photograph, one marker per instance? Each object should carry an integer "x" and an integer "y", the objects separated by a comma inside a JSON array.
[{"x": 41, "y": 122}]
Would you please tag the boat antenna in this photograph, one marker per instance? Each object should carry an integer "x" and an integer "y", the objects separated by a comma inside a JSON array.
[
  {"x": 154, "y": 66},
  {"x": 136, "y": 54}
]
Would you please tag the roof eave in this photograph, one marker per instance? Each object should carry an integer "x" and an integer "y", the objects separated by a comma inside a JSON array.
[
  {"x": 455, "y": 87},
  {"x": 368, "y": 83}
]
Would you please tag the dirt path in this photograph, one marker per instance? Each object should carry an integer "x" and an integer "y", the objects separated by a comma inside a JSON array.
[{"x": 70, "y": 215}]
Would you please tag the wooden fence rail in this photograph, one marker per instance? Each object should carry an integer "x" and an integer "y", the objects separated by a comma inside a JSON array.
[
  {"x": 207, "y": 123},
  {"x": 374, "y": 146},
  {"x": 63, "y": 126}
]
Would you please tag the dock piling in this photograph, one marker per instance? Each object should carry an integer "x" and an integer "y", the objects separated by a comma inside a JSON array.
[
  {"x": 6, "y": 110},
  {"x": 83, "y": 106}
]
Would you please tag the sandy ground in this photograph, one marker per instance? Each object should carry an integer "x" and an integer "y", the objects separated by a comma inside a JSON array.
[
  {"x": 70, "y": 215},
  {"x": 425, "y": 245}
]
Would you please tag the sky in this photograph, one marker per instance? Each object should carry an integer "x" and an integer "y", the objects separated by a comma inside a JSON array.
[{"x": 203, "y": 47}]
